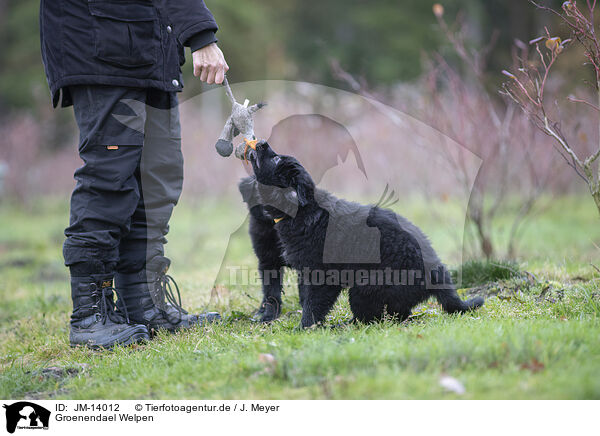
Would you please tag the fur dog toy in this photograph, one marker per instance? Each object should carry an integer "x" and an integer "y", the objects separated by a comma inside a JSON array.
[{"x": 239, "y": 122}]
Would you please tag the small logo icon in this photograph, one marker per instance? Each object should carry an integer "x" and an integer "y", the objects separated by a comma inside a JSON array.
[{"x": 26, "y": 415}]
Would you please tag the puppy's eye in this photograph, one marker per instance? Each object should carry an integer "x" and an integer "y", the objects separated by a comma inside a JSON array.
[{"x": 276, "y": 160}]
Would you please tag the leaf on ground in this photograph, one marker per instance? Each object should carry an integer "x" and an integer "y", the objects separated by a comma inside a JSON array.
[
  {"x": 60, "y": 372},
  {"x": 534, "y": 365},
  {"x": 266, "y": 358},
  {"x": 269, "y": 361},
  {"x": 451, "y": 384},
  {"x": 545, "y": 290}
]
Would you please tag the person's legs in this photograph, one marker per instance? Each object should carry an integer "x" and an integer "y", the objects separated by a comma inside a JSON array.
[
  {"x": 160, "y": 178},
  {"x": 142, "y": 266},
  {"x": 102, "y": 204}
]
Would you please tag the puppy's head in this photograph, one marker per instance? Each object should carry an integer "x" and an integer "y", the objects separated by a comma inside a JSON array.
[{"x": 284, "y": 172}]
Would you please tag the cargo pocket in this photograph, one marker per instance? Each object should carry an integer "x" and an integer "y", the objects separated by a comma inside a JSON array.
[
  {"x": 109, "y": 168},
  {"x": 125, "y": 33}
]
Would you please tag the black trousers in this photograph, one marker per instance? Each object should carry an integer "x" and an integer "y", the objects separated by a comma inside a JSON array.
[{"x": 131, "y": 178}]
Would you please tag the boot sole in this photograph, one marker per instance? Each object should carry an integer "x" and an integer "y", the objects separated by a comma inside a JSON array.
[
  {"x": 153, "y": 329},
  {"x": 137, "y": 337}
]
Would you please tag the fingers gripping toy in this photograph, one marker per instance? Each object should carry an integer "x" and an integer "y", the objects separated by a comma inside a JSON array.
[{"x": 240, "y": 122}]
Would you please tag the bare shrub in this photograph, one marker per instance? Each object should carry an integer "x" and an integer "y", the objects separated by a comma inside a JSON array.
[{"x": 529, "y": 83}]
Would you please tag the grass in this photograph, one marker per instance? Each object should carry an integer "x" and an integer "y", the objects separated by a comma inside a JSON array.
[
  {"x": 474, "y": 272},
  {"x": 538, "y": 336}
]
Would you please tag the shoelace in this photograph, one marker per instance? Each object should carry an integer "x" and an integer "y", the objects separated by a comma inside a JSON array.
[
  {"x": 165, "y": 283},
  {"x": 104, "y": 303}
]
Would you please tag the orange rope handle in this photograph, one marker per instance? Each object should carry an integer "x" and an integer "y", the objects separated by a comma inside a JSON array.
[{"x": 252, "y": 145}]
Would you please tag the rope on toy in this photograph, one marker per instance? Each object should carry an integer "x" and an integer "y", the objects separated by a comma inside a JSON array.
[{"x": 228, "y": 90}]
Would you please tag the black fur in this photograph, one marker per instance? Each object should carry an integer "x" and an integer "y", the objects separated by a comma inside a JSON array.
[{"x": 319, "y": 232}]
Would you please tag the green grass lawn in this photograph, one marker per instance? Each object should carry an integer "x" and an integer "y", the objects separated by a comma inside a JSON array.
[{"x": 535, "y": 338}]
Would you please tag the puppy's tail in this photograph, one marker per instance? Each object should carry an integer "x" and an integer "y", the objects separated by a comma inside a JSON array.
[{"x": 452, "y": 303}]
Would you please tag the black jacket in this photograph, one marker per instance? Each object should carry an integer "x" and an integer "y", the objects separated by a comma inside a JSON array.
[{"x": 120, "y": 42}]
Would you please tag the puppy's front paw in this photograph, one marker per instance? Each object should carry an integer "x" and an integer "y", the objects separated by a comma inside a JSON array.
[
  {"x": 269, "y": 311},
  {"x": 302, "y": 327},
  {"x": 308, "y": 323}
]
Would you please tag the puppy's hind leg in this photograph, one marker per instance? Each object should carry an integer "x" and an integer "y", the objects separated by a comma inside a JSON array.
[
  {"x": 318, "y": 301},
  {"x": 302, "y": 290},
  {"x": 365, "y": 307}
]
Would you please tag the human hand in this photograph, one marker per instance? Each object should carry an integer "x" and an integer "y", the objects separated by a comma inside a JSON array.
[{"x": 210, "y": 64}]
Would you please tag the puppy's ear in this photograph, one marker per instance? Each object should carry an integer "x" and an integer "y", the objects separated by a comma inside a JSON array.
[
  {"x": 302, "y": 195},
  {"x": 304, "y": 187}
]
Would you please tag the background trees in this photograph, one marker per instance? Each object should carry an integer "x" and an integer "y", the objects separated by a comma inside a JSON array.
[{"x": 382, "y": 40}]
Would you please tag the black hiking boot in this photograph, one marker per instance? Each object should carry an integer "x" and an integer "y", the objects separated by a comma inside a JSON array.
[
  {"x": 152, "y": 298},
  {"x": 95, "y": 323}
]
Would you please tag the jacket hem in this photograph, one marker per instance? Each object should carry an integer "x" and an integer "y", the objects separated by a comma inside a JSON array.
[{"x": 92, "y": 79}]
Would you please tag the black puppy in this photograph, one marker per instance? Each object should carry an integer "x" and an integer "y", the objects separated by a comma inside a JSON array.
[{"x": 386, "y": 262}]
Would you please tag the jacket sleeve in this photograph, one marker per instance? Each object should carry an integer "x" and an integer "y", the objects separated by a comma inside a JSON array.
[
  {"x": 201, "y": 39},
  {"x": 190, "y": 18}
]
